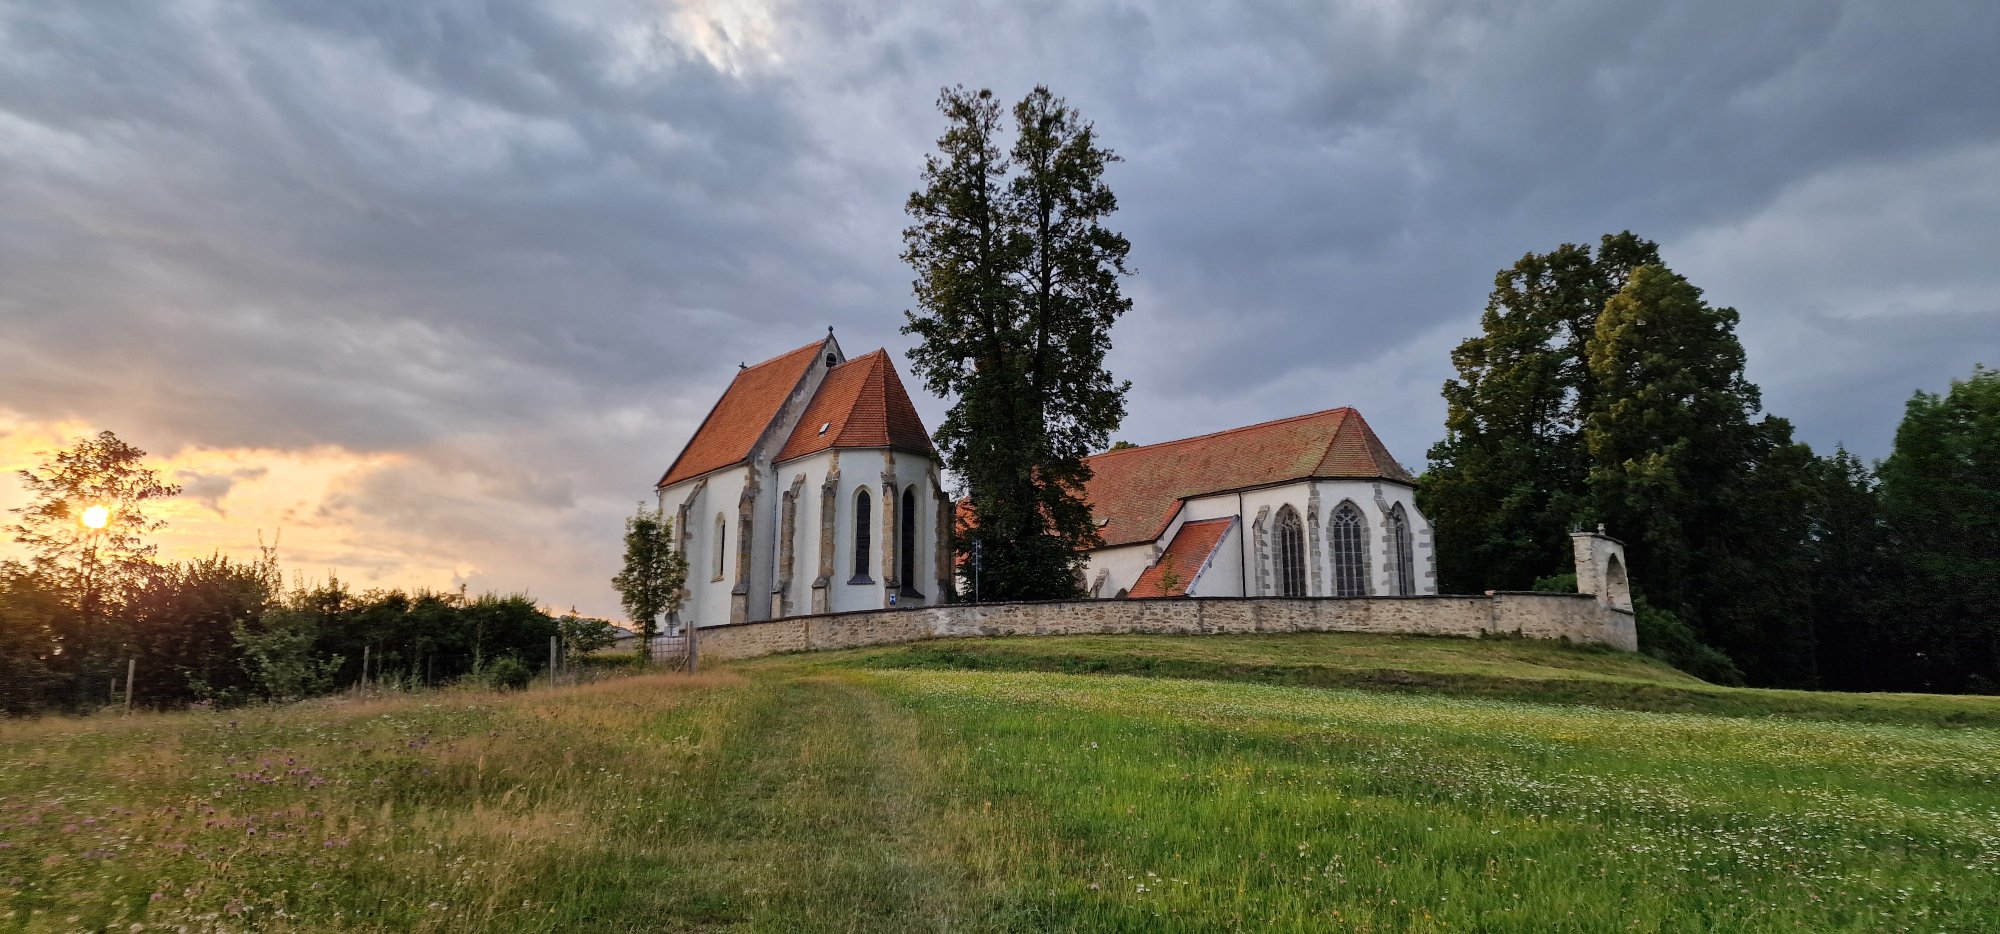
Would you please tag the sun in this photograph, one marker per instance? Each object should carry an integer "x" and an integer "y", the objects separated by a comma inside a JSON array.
[{"x": 97, "y": 516}]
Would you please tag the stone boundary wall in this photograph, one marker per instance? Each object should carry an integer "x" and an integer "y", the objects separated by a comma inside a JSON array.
[{"x": 1577, "y": 617}]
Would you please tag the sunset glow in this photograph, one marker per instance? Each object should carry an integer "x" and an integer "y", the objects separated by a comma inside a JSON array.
[{"x": 96, "y": 517}]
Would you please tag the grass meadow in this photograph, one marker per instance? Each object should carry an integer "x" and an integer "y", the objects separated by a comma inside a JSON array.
[{"x": 1305, "y": 783}]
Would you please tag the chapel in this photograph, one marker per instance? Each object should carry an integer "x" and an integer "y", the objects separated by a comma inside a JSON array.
[{"x": 810, "y": 487}]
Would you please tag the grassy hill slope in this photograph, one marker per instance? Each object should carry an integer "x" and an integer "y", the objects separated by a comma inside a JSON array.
[{"x": 901, "y": 789}]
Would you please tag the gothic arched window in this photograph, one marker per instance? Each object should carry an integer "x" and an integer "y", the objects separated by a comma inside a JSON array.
[
  {"x": 721, "y": 541},
  {"x": 1404, "y": 553},
  {"x": 1347, "y": 533},
  {"x": 864, "y": 516},
  {"x": 1291, "y": 553},
  {"x": 906, "y": 544}
]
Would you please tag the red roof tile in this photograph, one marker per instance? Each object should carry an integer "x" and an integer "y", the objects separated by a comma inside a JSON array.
[
  {"x": 1138, "y": 490},
  {"x": 861, "y": 404},
  {"x": 742, "y": 415},
  {"x": 1188, "y": 554}
]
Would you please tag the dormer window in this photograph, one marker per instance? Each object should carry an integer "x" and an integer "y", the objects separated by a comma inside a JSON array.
[
  {"x": 830, "y": 360},
  {"x": 824, "y": 427}
]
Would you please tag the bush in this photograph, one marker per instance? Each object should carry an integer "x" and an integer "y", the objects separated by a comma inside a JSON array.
[
  {"x": 1664, "y": 636},
  {"x": 508, "y": 674},
  {"x": 1670, "y": 639}
]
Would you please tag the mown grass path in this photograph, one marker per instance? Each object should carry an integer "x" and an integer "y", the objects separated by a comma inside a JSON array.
[{"x": 884, "y": 791}]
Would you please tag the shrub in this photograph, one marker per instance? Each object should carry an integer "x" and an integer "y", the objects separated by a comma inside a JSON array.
[{"x": 508, "y": 674}]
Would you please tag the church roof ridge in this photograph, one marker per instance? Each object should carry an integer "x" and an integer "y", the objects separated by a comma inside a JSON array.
[
  {"x": 1342, "y": 410},
  {"x": 1135, "y": 492}
]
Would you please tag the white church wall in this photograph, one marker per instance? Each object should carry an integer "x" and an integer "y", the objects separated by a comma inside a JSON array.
[
  {"x": 1121, "y": 567},
  {"x": 862, "y": 468},
  {"x": 708, "y": 598},
  {"x": 1382, "y": 498}
]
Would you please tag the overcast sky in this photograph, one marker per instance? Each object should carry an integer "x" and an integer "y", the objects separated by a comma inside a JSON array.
[{"x": 437, "y": 290}]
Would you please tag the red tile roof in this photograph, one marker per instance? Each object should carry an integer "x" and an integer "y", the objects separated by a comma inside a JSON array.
[
  {"x": 742, "y": 415},
  {"x": 861, "y": 404},
  {"x": 1138, "y": 490},
  {"x": 1188, "y": 554}
]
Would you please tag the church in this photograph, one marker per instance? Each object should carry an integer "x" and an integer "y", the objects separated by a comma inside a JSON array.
[{"x": 812, "y": 487}]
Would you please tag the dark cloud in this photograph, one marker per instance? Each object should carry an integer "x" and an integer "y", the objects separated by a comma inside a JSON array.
[{"x": 520, "y": 246}]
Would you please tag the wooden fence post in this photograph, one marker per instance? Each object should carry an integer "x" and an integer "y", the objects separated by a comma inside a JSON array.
[
  {"x": 131, "y": 668},
  {"x": 552, "y": 663},
  {"x": 364, "y": 668}
]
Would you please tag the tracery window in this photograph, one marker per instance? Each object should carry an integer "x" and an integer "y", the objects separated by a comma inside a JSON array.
[
  {"x": 1291, "y": 553},
  {"x": 1347, "y": 533},
  {"x": 1405, "y": 553},
  {"x": 864, "y": 517}
]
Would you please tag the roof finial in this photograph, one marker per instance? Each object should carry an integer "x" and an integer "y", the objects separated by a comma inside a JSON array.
[
  {"x": 829, "y": 330},
  {"x": 741, "y": 365}
]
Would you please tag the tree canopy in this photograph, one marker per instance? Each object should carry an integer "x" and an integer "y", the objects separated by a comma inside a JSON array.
[{"x": 1017, "y": 288}]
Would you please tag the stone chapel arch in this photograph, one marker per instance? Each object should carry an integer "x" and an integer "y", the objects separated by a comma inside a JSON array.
[{"x": 1617, "y": 588}]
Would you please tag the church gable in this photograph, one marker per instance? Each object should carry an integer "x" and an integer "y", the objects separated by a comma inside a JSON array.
[
  {"x": 1135, "y": 492},
  {"x": 754, "y": 399},
  {"x": 861, "y": 404}
]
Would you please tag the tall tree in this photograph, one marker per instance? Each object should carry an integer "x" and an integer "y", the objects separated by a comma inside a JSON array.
[
  {"x": 1712, "y": 501},
  {"x": 1941, "y": 507},
  {"x": 1504, "y": 485},
  {"x": 1017, "y": 288},
  {"x": 654, "y": 574},
  {"x": 86, "y": 530},
  {"x": 1845, "y": 547}
]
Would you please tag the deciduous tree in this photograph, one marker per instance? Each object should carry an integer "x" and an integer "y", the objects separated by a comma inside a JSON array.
[{"x": 650, "y": 584}]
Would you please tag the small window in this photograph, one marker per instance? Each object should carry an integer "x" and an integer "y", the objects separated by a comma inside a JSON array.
[
  {"x": 721, "y": 542},
  {"x": 864, "y": 517}
]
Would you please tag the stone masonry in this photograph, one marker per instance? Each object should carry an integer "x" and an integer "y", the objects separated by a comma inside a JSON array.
[{"x": 1581, "y": 618}]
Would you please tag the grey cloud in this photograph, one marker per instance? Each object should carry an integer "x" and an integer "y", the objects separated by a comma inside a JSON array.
[{"x": 524, "y": 244}]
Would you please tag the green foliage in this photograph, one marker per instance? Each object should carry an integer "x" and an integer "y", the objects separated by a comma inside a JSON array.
[
  {"x": 33, "y": 611},
  {"x": 1017, "y": 290},
  {"x": 1605, "y": 390},
  {"x": 1668, "y": 638},
  {"x": 1714, "y": 506},
  {"x": 282, "y": 654},
  {"x": 654, "y": 577},
  {"x": 182, "y": 621},
  {"x": 100, "y": 471},
  {"x": 1940, "y": 500},
  {"x": 507, "y": 674},
  {"x": 90, "y": 569},
  {"x": 582, "y": 635},
  {"x": 1506, "y": 485},
  {"x": 1849, "y": 587}
]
